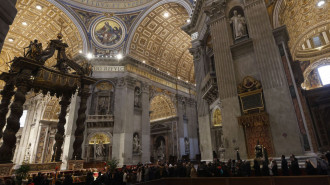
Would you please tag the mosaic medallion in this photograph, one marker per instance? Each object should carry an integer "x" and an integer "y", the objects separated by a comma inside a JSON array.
[{"x": 108, "y": 32}]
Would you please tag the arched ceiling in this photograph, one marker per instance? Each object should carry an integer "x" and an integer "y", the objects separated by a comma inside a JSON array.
[
  {"x": 42, "y": 25},
  {"x": 303, "y": 19},
  {"x": 52, "y": 110},
  {"x": 161, "y": 107},
  {"x": 110, "y": 5},
  {"x": 160, "y": 42}
]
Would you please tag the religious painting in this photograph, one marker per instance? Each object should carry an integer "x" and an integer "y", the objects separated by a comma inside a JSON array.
[
  {"x": 108, "y": 32},
  {"x": 217, "y": 118}
]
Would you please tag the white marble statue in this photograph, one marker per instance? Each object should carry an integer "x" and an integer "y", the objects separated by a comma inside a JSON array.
[
  {"x": 136, "y": 144},
  {"x": 239, "y": 25},
  {"x": 161, "y": 151},
  {"x": 100, "y": 150},
  {"x": 137, "y": 93}
]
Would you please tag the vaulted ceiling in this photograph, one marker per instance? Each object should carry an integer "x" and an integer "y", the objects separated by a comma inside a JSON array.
[
  {"x": 160, "y": 42},
  {"x": 161, "y": 107},
  {"x": 304, "y": 19},
  {"x": 42, "y": 24}
]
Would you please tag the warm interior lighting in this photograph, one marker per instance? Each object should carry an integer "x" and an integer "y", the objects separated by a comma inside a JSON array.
[
  {"x": 320, "y": 3},
  {"x": 11, "y": 40},
  {"x": 24, "y": 23},
  {"x": 166, "y": 14},
  {"x": 188, "y": 21},
  {"x": 119, "y": 56},
  {"x": 38, "y": 7},
  {"x": 80, "y": 51},
  {"x": 89, "y": 56},
  {"x": 324, "y": 73}
]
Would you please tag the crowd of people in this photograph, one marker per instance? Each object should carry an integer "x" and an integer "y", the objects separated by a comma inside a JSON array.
[{"x": 128, "y": 175}]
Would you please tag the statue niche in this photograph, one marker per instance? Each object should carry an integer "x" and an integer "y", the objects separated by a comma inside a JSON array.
[
  {"x": 136, "y": 144},
  {"x": 137, "y": 97},
  {"x": 238, "y": 23}
]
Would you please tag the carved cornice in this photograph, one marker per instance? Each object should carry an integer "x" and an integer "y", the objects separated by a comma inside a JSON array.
[
  {"x": 216, "y": 10},
  {"x": 145, "y": 88},
  {"x": 130, "y": 82},
  {"x": 194, "y": 17},
  {"x": 249, "y": 3}
]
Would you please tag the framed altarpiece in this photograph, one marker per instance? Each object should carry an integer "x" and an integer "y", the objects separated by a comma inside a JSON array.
[{"x": 254, "y": 119}]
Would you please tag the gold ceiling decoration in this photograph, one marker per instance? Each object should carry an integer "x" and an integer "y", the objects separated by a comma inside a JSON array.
[
  {"x": 52, "y": 109},
  {"x": 161, "y": 107},
  {"x": 42, "y": 24},
  {"x": 160, "y": 42},
  {"x": 302, "y": 17}
]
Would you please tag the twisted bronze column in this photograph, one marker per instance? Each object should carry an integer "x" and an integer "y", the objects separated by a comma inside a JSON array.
[
  {"x": 16, "y": 108},
  {"x": 79, "y": 133},
  {"x": 59, "y": 136},
  {"x": 7, "y": 93}
]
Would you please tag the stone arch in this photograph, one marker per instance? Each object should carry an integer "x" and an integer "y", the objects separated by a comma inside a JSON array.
[
  {"x": 162, "y": 107},
  {"x": 160, "y": 42},
  {"x": 311, "y": 69},
  {"x": 82, "y": 32},
  {"x": 305, "y": 15}
]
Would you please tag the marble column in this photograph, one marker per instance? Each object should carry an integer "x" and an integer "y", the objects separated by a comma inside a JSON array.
[
  {"x": 6, "y": 93},
  {"x": 59, "y": 137},
  {"x": 80, "y": 123},
  {"x": 123, "y": 120},
  {"x": 32, "y": 107},
  {"x": 16, "y": 111},
  {"x": 278, "y": 100},
  {"x": 145, "y": 123},
  {"x": 226, "y": 81},
  {"x": 295, "y": 78},
  {"x": 7, "y": 14},
  {"x": 205, "y": 145},
  {"x": 70, "y": 128}
]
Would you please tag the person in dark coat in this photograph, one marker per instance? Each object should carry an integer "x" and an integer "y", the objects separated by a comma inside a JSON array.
[
  {"x": 310, "y": 170},
  {"x": 265, "y": 168},
  {"x": 68, "y": 180},
  {"x": 256, "y": 168},
  {"x": 295, "y": 166},
  {"x": 89, "y": 178},
  {"x": 274, "y": 168},
  {"x": 284, "y": 166}
]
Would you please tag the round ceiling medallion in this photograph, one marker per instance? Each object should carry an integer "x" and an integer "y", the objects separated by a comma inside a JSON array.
[{"x": 108, "y": 32}]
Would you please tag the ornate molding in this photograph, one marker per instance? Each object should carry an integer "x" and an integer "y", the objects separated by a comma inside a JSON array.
[{"x": 216, "y": 10}]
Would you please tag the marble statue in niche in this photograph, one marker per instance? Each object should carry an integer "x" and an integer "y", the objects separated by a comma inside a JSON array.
[
  {"x": 100, "y": 150},
  {"x": 239, "y": 25},
  {"x": 137, "y": 94},
  {"x": 187, "y": 145},
  {"x": 161, "y": 150},
  {"x": 136, "y": 144}
]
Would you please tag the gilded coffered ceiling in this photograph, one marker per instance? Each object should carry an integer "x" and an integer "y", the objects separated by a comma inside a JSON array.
[
  {"x": 110, "y": 5},
  {"x": 161, "y": 107},
  {"x": 41, "y": 20},
  {"x": 303, "y": 19},
  {"x": 52, "y": 109},
  {"x": 160, "y": 42}
]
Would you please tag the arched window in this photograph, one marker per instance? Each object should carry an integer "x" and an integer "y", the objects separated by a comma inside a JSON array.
[{"x": 324, "y": 73}]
